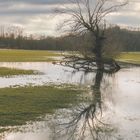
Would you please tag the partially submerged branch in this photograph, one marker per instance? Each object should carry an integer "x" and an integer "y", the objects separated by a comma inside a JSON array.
[{"x": 88, "y": 64}]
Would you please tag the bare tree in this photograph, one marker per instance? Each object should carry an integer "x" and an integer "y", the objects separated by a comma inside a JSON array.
[{"x": 88, "y": 16}]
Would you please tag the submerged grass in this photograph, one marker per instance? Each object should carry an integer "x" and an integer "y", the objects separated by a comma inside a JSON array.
[
  {"x": 12, "y": 71},
  {"x": 19, "y": 105},
  {"x": 8, "y": 55},
  {"x": 130, "y": 57}
]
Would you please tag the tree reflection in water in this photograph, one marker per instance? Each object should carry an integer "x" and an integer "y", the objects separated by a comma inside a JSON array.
[{"x": 85, "y": 121}]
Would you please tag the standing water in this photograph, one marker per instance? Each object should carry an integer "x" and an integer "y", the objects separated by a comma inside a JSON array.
[{"x": 111, "y": 111}]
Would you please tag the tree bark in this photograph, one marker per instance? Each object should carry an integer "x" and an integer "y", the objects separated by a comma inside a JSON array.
[
  {"x": 99, "y": 62},
  {"x": 98, "y": 53}
]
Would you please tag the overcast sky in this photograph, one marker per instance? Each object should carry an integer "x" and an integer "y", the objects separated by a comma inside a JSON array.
[{"x": 37, "y": 16}]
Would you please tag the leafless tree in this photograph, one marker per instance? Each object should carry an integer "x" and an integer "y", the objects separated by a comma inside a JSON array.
[{"x": 88, "y": 16}]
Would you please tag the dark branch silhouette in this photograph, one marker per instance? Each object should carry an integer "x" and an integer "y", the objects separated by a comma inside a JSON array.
[
  {"x": 88, "y": 64},
  {"x": 86, "y": 118},
  {"x": 88, "y": 16}
]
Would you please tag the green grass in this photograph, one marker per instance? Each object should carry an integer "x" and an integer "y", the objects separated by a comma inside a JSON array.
[
  {"x": 27, "y": 55},
  {"x": 11, "y": 72},
  {"x": 130, "y": 57},
  {"x": 8, "y": 55},
  {"x": 22, "y": 104}
]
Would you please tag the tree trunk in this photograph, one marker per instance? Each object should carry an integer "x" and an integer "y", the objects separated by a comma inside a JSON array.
[
  {"x": 98, "y": 54},
  {"x": 99, "y": 61}
]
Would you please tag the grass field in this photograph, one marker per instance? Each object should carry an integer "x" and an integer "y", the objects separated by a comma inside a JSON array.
[
  {"x": 131, "y": 57},
  {"x": 24, "y": 56},
  {"x": 27, "y": 56},
  {"x": 11, "y": 71},
  {"x": 19, "y": 105},
  {"x": 45, "y": 56}
]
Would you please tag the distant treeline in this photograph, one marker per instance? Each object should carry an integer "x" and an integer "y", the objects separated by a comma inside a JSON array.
[{"x": 14, "y": 38}]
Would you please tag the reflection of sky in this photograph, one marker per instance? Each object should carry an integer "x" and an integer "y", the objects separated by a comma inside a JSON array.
[
  {"x": 128, "y": 86},
  {"x": 36, "y": 16},
  {"x": 52, "y": 74},
  {"x": 121, "y": 98},
  {"x": 126, "y": 105}
]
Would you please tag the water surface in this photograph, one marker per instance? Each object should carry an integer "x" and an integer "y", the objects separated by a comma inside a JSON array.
[
  {"x": 49, "y": 74},
  {"x": 116, "y": 98}
]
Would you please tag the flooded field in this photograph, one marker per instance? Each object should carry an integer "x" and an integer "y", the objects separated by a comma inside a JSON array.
[
  {"x": 49, "y": 73},
  {"x": 109, "y": 111}
]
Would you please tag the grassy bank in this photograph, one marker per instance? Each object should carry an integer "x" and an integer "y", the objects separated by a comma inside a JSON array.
[
  {"x": 11, "y": 71},
  {"x": 19, "y": 105},
  {"x": 130, "y": 57},
  {"x": 27, "y": 56}
]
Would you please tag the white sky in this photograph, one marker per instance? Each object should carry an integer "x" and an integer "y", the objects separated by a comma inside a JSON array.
[{"x": 37, "y": 16}]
